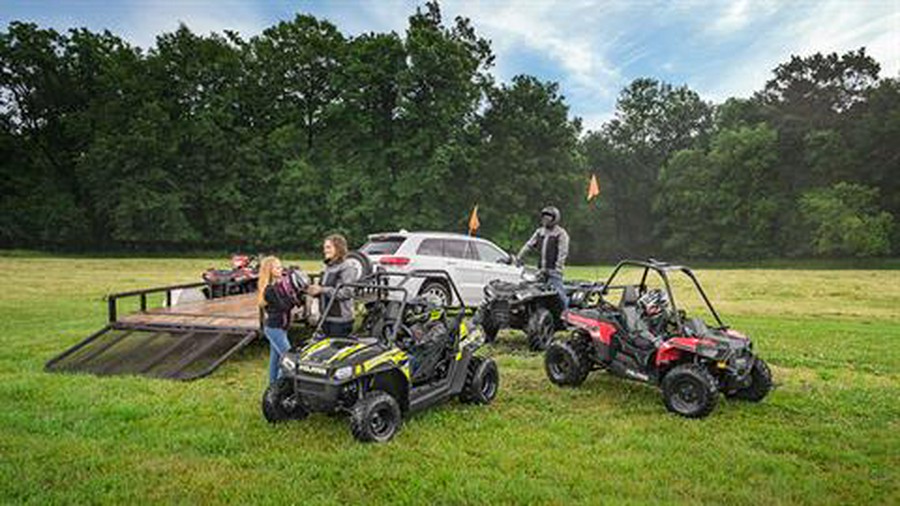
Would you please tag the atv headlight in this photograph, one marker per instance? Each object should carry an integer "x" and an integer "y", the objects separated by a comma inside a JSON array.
[
  {"x": 288, "y": 363},
  {"x": 343, "y": 373}
]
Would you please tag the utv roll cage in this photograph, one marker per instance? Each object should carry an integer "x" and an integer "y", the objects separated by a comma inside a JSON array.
[
  {"x": 663, "y": 269},
  {"x": 378, "y": 285}
]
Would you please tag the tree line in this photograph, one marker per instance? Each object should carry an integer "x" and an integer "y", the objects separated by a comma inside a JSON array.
[{"x": 273, "y": 141}]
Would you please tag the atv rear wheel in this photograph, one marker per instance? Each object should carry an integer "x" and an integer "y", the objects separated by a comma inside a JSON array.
[
  {"x": 482, "y": 381},
  {"x": 760, "y": 383},
  {"x": 540, "y": 328},
  {"x": 566, "y": 362},
  {"x": 375, "y": 418},
  {"x": 280, "y": 403},
  {"x": 690, "y": 390}
]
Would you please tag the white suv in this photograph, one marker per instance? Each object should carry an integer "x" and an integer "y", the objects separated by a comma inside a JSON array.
[{"x": 472, "y": 262}]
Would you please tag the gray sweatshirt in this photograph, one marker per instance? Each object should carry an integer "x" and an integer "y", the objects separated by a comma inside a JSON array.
[
  {"x": 553, "y": 245},
  {"x": 334, "y": 274}
]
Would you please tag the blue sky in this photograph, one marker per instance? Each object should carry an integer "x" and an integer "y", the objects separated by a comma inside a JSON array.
[{"x": 592, "y": 48}]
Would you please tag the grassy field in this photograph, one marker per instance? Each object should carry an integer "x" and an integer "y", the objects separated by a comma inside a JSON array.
[{"x": 828, "y": 434}]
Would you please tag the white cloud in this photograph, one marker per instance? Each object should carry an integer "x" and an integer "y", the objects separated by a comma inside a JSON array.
[{"x": 149, "y": 19}]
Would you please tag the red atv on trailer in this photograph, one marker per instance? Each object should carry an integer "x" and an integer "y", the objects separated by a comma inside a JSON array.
[
  {"x": 241, "y": 278},
  {"x": 647, "y": 338}
]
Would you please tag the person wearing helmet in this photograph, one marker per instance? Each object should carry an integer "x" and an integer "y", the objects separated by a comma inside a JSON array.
[{"x": 552, "y": 241}]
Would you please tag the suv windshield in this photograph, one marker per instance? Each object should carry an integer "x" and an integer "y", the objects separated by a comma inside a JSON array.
[{"x": 382, "y": 245}]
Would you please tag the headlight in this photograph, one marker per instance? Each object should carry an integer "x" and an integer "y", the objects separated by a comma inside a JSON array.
[
  {"x": 288, "y": 363},
  {"x": 343, "y": 373}
]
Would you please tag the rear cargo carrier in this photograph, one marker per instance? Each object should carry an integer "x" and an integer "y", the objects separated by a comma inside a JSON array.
[{"x": 185, "y": 339}]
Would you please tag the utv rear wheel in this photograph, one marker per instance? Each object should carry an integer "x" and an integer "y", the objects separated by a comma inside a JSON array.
[
  {"x": 375, "y": 418},
  {"x": 690, "y": 391},
  {"x": 567, "y": 362},
  {"x": 540, "y": 329},
  {"x": 760, "y": 383},
  {"x": 280, "y": 403},
  {"x": 482, "y": 381}
]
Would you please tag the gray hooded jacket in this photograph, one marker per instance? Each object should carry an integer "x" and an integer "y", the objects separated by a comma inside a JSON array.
[{"x": 334, "y": 274}]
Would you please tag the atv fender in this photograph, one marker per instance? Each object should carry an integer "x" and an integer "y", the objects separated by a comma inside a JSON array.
[{"x": 672, "y": 351}]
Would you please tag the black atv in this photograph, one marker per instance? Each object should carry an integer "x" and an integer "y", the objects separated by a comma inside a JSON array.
[
  {"x": 406, "y": 355},
  {"x": 647, "y": 338},
  {"x": 531, "y": 305}
]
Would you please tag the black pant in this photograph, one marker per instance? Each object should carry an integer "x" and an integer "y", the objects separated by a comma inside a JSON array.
[{"x": 337, "y": 329}]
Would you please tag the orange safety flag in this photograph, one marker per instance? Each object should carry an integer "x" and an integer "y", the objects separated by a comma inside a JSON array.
[
  {"x": 593, "y": 188},
  {"x": 474, "y": 224}
]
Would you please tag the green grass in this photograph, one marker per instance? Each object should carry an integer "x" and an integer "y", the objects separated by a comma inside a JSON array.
[{"x": 829, "y": 433}]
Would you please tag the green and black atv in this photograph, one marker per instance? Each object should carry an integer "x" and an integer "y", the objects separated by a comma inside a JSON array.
[{"x": 404, "y": 355}]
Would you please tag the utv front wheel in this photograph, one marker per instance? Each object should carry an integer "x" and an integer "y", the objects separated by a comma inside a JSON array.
[
  {"x": 690, "y": 390},
  {"x": 375, "y": 418},
  {"x": 482, "y": 381},
  {"x": 280, "y": 403},
  {"x": 566, "y": 362},
  {"x": 540, "y": 329},
  {"x": 760, "y": 383}
]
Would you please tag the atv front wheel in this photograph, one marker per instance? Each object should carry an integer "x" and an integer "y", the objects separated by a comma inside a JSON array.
[
  {"x": 540, "y": 329},
  {"x": 280, "y": 403},
  {"x": 375, "y": 418},
  {"x": 760, "y": 383},
  {"x": 482, "y": 381},
  {"x": 490, "y": 327},
  {"x": 690, "y": 390},
  {"x": 567, "y": 362}
]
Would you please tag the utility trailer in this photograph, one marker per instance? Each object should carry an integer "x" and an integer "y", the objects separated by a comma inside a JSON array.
[{"x": 180, "y": 340}]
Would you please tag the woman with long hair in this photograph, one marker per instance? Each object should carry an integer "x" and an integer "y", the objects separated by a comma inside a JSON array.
[
  {"x": 277, "y": 310},
  {"x": 339, "y": 320}
]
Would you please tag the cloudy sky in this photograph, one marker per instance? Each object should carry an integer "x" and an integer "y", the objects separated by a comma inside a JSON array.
[{"x": 592, "y": 48}]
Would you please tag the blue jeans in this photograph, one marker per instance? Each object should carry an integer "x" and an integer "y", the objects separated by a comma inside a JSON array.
[
  {"x": 278, "y": 346},
  {"x": 556, "y": 282}
]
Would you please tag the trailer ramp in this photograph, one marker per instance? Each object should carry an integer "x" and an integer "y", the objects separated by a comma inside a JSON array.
[{"x": 181, "y": 342}]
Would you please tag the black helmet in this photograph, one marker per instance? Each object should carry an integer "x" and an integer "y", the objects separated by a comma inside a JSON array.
[{"x": 553, "y": 213}]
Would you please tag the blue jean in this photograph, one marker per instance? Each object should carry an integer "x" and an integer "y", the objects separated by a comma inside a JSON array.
[
  {"x": 556, "y": 282},
  {"x": 278, "y": 346}
]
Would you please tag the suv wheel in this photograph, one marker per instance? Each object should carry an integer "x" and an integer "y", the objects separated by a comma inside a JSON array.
[{"x": 438, "y": 291}]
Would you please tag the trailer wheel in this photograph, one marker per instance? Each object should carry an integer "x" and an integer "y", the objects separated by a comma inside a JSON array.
[
  {"x": 540, "y": 328},
  {"x": 280, "y": 403}
]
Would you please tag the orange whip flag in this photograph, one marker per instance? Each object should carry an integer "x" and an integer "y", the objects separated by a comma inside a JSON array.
[
  {"x": 593, "y": 188},
  {"x": 474, "y": 224}
]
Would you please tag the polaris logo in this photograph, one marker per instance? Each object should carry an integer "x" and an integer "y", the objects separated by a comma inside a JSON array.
[{"x": 312, "y": 369}]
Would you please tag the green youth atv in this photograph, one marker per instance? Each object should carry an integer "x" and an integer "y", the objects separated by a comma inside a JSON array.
[{"x": 405, "y": 355}]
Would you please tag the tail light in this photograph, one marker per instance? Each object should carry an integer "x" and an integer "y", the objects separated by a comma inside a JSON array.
[{"x": 395, "y": 261}]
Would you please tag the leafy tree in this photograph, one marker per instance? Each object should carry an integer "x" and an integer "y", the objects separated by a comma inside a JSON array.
[{"x": 846, "y": 220}]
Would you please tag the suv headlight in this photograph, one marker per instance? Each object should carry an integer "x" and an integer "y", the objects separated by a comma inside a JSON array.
[
  {"x": 288, "y": 363},
  {"x": 343, "y": 373}
]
